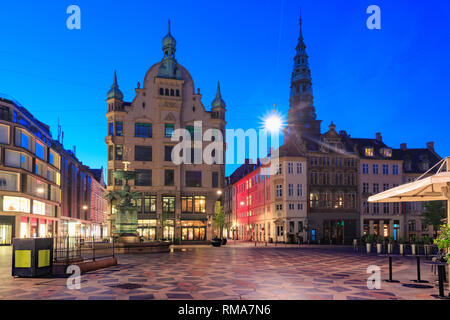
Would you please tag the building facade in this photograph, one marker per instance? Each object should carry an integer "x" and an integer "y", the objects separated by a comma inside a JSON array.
[
  {"x": 30, "y": 191},
  {"x": 178, "y": 199},
  {"x": 417, "y": 162},
  {"x": 379, "y": 171},
  {"x": 99, "y": 205}
]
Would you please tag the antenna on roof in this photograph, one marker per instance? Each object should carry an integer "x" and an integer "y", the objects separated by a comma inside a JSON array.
[
  {"x": 62, "y": 138},
  {"x": 59, "y": 131}
]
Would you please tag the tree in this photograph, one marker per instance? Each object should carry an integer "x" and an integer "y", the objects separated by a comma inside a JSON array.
[
  {"x": 434, "y": 213},
  {"x": 219, "y": 218}
]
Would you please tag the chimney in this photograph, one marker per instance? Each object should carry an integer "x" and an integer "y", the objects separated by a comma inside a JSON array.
[
  {"x": 379, "y": 137},
  {"x": 430, "y": 145},
  {"x": 403, "y": 146}
]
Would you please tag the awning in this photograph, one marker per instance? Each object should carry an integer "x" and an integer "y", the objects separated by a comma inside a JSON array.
[{"x": 431, "y": 188}]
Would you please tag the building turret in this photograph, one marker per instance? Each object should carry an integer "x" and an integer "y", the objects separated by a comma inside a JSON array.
[
  {"x": 169, "y": 67},
  {"x": 218, "y": 105},
  {"x": 114, "y": 97}
]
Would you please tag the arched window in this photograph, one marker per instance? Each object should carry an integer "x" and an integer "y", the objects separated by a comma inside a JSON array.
[
  {"x": 167, "y": 92},
  {"x": 143, "y": 105},
  {"x": 172, "y": 92},
  {"x": 161, "y": 91}
]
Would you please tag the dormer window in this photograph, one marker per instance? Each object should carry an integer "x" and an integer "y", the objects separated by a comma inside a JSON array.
[
  {"x": 368, "y": 152},
  {"x": 387, "y": 153}
]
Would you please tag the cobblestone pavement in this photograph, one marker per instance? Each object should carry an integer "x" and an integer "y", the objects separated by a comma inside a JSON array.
[{"x": 235, "y": 271}]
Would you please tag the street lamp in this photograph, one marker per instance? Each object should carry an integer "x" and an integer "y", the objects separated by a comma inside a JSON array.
[{"x": 219, "y": 192}]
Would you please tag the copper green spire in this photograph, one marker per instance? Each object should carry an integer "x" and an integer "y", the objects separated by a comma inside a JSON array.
[
  {"x": 169, "y": 67},
  {"x": 218, "y": 101},
  {"x": 114, "y": 92}
]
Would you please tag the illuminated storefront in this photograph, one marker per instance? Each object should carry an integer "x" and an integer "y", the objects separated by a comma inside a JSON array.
[
  {"x": 193, "y": 230},
  {"x": 147, "y": 229}
]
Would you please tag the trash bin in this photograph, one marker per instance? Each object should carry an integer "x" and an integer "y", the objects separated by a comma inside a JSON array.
[{"x": 32, "y": 257}]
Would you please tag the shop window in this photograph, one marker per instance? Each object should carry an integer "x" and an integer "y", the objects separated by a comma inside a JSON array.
[
  {"x": 149, "y": 204},
  {"x": 16, "y": 204},
  {"x": 168, "y": 204}
]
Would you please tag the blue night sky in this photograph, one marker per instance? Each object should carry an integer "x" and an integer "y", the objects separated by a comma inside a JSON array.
[{"x": 394, "y": 80}]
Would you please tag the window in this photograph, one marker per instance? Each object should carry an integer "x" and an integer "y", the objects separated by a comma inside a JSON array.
[
  {"x": 385, "y": 186},
  {"x": 300, "y": 206},
  {"x": 168, "y": 204},
  {"x": 149, "y": 204},
  {"x": 169, "y": 128},
  {"x": 412, "y": 225},
  {"x": 17, "y": 160},
  {"x": 365, "y": 187},
  {"x": 199, "y": 204},
  {"x": 365, "y": 168},
  {"x": 187, "y": 204},
  {"x": 215, "y": 179},
  {"x": 385, "y": 169},
  {"x": 299, "y": 190},
  {"x": 110, "y": 177},
  {"x": 193, "y": 178},
  {"x": 169, "y": 177},
  {"x": 193, "y": 231},
  {"x": 368, "y": 152},
  {"x": 4, "y": 113},
  {"x": 143, "y": 130},
  {"x": 375, "y": 169},
  {"x": 376, "y": 188},
  {"x": 119, "y": 152},
  {"x": 395, "y": 169},
  {"x": 161, "y": 91},
  {"x": 4, "y": 134},
  {"x": 299, "y": 168},
  {"x": 9, "y": 181},
  {"x": 279, "y": 190},
  {"x": 376, "y": 208},
  {"x": 280, "y": 168},
  {"x": 144, "y": 178},
  {"x": 54, "y": 159},
  {"x": 387, "y": 153},
  {"x": 22, "y": 139},
  {"x": 110, "y": 152},
  {"x": 168, "y": 153},
  {"x": 143, "y": 153},
  {"x": 386, "y": 208},
  {"x": 119, "y": 128},
  {"x": 16, "y": 204},
  {"x": 290, "y": 190},
  {"x": 365, "y": 207},
  {"x": 40, "y": 150},
  {"x": 110, "y": 128},
  {"x": 291, "y": 206},
  {"x": 290, "y": 168}
]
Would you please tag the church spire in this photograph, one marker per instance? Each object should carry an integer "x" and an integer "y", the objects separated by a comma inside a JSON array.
[
  {"x": 218, "y": 101},
  {"x": 302, "y": 114}
]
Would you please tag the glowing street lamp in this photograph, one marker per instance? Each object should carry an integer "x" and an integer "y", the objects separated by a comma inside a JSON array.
[
  {"x": 85, "y": 207},
  {"x": 219, "y": 192}
]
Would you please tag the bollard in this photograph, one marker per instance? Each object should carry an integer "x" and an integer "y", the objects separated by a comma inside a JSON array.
[
  {"x": 266, "y": 243},
  {"x": 255, "y": 243},
  {"x": 441, "y": 272},
  {"x": 390, "y": 272},
  {"x": 418, "y": 272}
]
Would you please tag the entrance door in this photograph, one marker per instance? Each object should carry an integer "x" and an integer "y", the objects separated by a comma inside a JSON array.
[{"x": 5, "y": 234}]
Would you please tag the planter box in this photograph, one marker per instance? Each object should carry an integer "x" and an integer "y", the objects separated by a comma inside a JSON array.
[
  {"x": 368, "y": 247},
  {"x": 413, "y": 249},
  {"x": 427, "y": 249},
  {"x": 379, "y": 248},
  {"x": 402, "y": 249},
  {"x": 390, "y": 248}
]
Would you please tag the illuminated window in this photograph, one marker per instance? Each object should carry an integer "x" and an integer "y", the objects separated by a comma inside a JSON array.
[
  {"x": 387, "y": 153},
  {"x": 16, "y": 204},
  {"x": 368, "y": 152}
]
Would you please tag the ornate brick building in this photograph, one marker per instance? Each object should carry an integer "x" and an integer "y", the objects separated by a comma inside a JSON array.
[{"x": 178, "y": 200}]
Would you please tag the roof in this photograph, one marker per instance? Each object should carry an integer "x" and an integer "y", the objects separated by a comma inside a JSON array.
[
  {"x": 242, "y": 171},
  {"x": 416, "y": 160},
  {"x": 361, "y": 143},
  {"x": 97, "y": 173}
]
